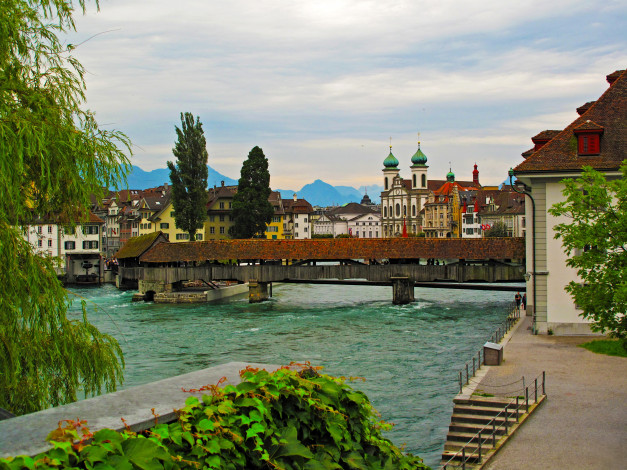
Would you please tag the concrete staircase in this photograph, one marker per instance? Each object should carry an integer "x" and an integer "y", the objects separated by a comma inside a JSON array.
[{"x": 488, "y": 415}]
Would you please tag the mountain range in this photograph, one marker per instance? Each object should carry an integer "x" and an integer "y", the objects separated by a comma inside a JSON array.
[{"x": 317, "y": 193}]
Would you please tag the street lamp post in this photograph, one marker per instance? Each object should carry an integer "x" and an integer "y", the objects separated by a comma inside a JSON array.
[{"x": 533, "y": 248}]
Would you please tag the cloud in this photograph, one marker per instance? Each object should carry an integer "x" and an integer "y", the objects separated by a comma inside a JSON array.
[{"x": 322, "y": 85}]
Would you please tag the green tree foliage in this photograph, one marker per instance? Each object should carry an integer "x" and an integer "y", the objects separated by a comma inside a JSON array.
[
  {"x": 499, "y": 229},
  {"x": 595, "y": 239},
  {"x": 189, "y": 176},
  {"x": 281, "y": 420},
  {"x": 251, "y": 208},
  {"x": 53, "y": 157}
]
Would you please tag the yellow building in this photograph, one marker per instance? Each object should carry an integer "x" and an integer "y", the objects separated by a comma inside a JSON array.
[
  {"x": 164, "y": 221},
  {"x": 274, "y": 230},
  {"x": 219, "y": 207}
]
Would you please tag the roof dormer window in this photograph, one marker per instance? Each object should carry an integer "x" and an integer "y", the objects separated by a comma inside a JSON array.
[{"x": 588, "y": 138}]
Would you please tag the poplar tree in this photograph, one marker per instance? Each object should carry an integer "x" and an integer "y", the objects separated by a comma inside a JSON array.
[
  {"x": 251, "y": 209},
  {"x": 53, "y": 157},
  {"x": 189, "y": 176}
]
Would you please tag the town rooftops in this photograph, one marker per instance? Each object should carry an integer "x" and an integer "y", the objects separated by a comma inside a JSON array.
[{"x": 608, "y": 113}]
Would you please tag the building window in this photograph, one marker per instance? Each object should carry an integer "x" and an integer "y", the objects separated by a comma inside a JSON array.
[
  {"x": 398, "y": 210},
  {"x": 276, "y": 219},
  {"x": 199, "y": 236},
  {"x": 49, "y": 228},
  {"x": 221, "y": 205},
  {"x": 385, "y": 212},
  {"x": 222, "y": 218},
  {"x": 40, "y": 243},
  {"x": 212, "y": 230},
  {"x": 296, "y": 225},
  {"x": 212, "y": 218},
  {"x": 70, "y": 245},
  {"x": 424, "y": 181},
  {"x": 39, "y": 229},
  {"x": 589, "y": 144},
  {"x": 413, "y": 210},
  {"x": 414, "y": 181},
  {"x": 49, "y": 243},
  {"x": 222, "y": 230},
  {"x": 171, "y": 213},
  {"x": 90, "y": 245},
  {"x": 164, "y": 225},
  {"x": 386, "y": 183},
  {"x": 230, "y": 205}
]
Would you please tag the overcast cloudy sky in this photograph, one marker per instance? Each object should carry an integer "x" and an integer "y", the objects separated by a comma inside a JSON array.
[{"x": 321, "y": 85}]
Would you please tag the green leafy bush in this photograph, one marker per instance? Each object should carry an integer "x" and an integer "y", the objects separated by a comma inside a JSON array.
[{"x": 283, "y": 420}]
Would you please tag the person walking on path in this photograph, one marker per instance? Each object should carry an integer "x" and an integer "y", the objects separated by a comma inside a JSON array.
[
  {"x": 524, "y": 301},
  {"x": 517, "y": 298}
]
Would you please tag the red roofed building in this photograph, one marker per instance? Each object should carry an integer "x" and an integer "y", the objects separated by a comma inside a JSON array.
[
  {"x": 297, "y": 218},
  {"x": 443, "y": 209},
  {"x": 597, "y": 138}
]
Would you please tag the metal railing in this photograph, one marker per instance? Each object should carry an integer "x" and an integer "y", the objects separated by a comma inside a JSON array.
[
  {"x": 477, "y": 360},
  {"x": 489, "y": 433}
]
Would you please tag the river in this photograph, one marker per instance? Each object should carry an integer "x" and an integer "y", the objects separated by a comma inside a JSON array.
[{"x": 410, "y": 355}]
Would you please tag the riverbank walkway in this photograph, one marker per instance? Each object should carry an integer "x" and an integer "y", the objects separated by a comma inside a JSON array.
[{"x": 583, "y": 422}]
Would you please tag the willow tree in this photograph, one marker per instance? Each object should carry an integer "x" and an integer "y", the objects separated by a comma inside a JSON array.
[
  {"x": 189, "y": 176},
  {"x": 53, "y": 157}
]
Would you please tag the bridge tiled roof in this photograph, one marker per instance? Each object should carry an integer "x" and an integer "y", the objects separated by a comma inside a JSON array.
[
  {"x": 136, "y": 246},
  {"x": 337, "y": 249}
]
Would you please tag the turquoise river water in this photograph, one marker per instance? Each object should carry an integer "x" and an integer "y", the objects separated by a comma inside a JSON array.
[{"x": 410, "y": 355}]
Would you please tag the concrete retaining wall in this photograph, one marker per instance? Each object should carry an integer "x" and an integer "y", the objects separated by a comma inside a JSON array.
[{"x": 26, "y": 435}]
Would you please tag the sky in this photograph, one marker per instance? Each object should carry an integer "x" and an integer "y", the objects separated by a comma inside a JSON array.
[{"x": 322, "y": 86}]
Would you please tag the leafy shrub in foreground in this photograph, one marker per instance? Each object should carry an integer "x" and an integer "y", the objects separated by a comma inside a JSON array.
[{"x": 283, "y": 420}]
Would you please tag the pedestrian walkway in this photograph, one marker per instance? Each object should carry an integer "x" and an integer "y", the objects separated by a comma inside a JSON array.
[{"x": 583, "y": 422}]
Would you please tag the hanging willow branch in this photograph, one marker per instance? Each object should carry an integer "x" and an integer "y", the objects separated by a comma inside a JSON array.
[{"x": 53, "y": 159}]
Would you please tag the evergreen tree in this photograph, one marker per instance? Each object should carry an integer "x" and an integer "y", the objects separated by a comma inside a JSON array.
[
  {"x": 189, "y": 176},
  {"x": 251, "y": 209},
  {"x": 594, "y": 236},
  {"x": 53, "y": 157}
]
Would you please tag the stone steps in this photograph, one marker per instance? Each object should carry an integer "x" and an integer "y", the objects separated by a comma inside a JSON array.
[{"x": 480, "y": 414}]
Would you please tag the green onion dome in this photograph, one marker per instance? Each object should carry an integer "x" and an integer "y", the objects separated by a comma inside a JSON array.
[
  {"x": 390, "y": 161},
  {"x": 450, "y": 176},
  {"x": 419, "y": 158}
]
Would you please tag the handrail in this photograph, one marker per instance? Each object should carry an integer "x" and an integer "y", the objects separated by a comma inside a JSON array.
[
  {"x": 496, "y": 337},
  {"x": 491, "y": 436}
]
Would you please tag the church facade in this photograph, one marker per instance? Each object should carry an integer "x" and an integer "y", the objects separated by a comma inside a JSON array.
[{"x": 402, "y": 201}]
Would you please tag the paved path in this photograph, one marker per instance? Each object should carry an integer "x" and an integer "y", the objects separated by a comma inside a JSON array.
[{"x": 583, "y": 423}]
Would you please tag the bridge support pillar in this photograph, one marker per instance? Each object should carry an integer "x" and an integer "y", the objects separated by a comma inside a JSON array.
[
  {"x": 258, "y": 291},
  {"x": 403, "y": 288}
]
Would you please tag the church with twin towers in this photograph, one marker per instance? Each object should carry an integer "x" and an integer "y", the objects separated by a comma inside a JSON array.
[{"x": 419, "y": 204}]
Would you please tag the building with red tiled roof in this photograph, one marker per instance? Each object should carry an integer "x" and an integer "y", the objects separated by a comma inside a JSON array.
[
  {"x": 297, "y": 219},
  {"x": 443, "y": 209},
  {"x": 596, "y": 138}
]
